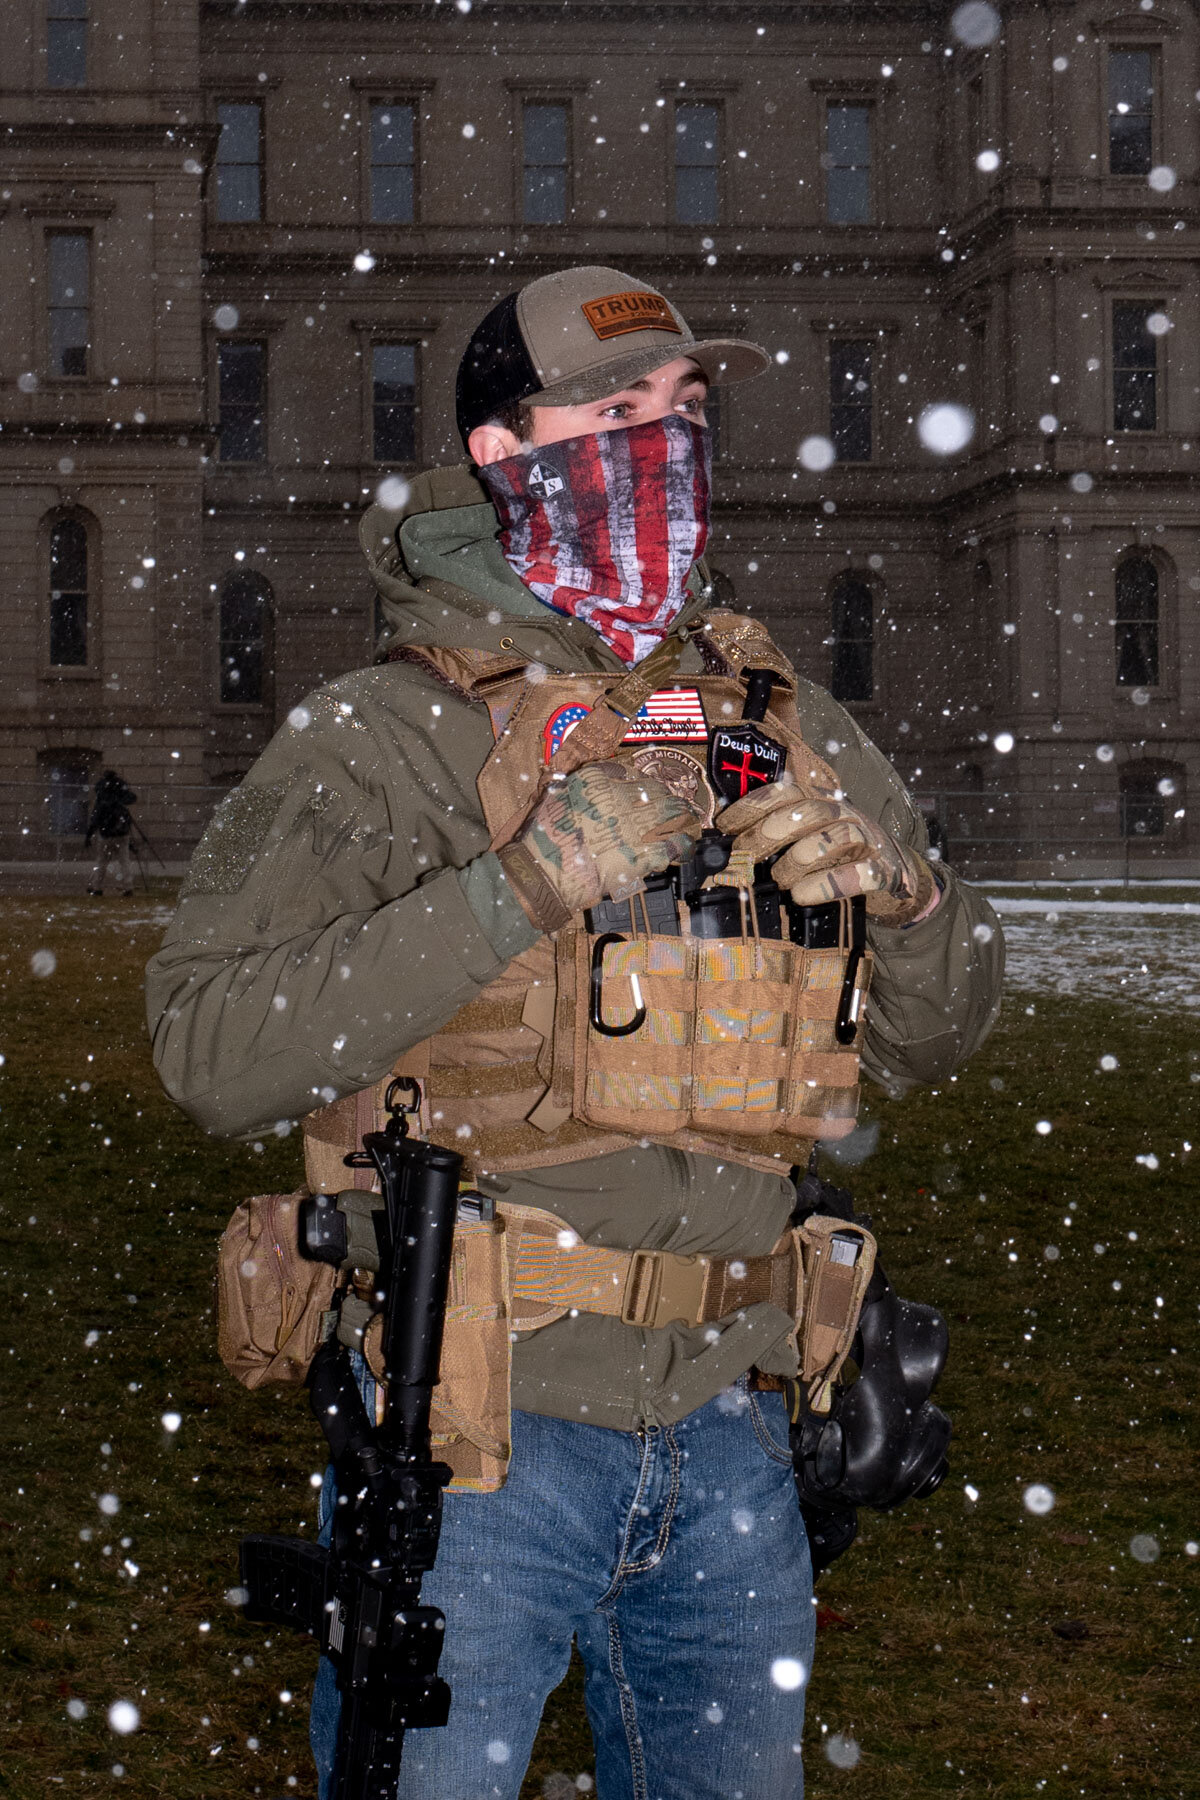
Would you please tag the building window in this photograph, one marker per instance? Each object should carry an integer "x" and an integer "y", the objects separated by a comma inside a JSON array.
[
  {"x": 547, "y": 156},
  {"x": 847, "y": 162},
  {"x": 1135, "y": 366},
  {"x": 850, "y": 399},
  {"x": 853, "y": 608},
  {"x": 68, "y": 784},
  {"x": 975, "y": 118},
  {"x": 1136, "y": 623},
  {"x": 68, "y": 594},
  {"x": 66, "y": 43},
  {"x": 393, "y": 163},
  {"x": 245, "y": 624},
  {"x": 1152, "y": 799},
  {"x": 239, "y": 162},
  {"x": 1130, "y": 112},
  {"x": 394, "y": 403},
  {"x": 242, "y": 398},
  {"x": 697, "y": 163},
  {"x": 69, "y": 258}
]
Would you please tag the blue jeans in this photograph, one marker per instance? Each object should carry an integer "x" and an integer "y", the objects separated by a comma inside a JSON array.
[{"x": 676, "y": 1558}]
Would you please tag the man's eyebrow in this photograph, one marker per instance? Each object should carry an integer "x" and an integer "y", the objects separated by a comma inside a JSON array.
[{"x": 694, "y": 378}]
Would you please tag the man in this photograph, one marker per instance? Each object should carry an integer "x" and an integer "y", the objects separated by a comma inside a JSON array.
[
  {"x": 406, "y": 879},
  {"x": 112, "y": 822}
]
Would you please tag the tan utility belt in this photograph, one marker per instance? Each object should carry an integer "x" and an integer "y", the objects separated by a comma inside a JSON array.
[
  {"x": 516, "y": 1272},
  {"x": 555, "y": 1271}
]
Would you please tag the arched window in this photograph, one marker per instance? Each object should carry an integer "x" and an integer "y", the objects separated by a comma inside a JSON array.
[
  {"x": 853, "y": 639},
  {"x": 245, "y": 629},
  {"x": 1152, "y": 799},
  {"x": 68, "y": 616},
  {"x": 1136, "y": 623}
]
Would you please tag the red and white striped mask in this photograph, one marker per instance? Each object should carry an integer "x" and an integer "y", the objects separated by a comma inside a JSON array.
[{"x": 607, "y": 527}]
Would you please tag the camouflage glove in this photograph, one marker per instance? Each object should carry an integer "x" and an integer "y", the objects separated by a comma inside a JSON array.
[
  {"x": 831, "y": 851},
  {"x": 595, "y": 834}
]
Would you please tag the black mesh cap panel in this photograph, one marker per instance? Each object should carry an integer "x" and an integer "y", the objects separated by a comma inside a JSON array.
[{"x": 496, "y": 369}]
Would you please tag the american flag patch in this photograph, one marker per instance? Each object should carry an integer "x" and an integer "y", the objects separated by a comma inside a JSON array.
[
  {"x": 559, "y": 724},
  {"x": 670, "y": 716}
]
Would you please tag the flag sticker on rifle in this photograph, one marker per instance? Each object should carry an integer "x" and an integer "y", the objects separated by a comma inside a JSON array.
[{"x": 670, "y": 716}]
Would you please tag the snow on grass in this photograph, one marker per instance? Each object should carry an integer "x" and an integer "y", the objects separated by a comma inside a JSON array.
[{"x": 1134, "y": 950}]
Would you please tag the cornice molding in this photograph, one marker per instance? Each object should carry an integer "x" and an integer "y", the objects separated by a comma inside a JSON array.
[
  {"x": 704, "y": 87},
  {"x": 68, "y": 203},
  {"x": 1130, "y": 24},
  {"x": 137, "y": 135},
  {"x": 393, "y": 327},
  {"x": 845, "y": 325},
  {"x": 398, "y": 89},
  {"x": 547, "y": 84},
  {"x": 854, "y": 87}
]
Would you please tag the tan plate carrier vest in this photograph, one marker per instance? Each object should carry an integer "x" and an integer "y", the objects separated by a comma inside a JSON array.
[
  {"x": 738, "y": 1056},
  {"x": 737, "y": 1059}
]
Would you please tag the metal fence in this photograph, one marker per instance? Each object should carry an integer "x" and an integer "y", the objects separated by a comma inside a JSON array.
[
  {"x": 1093, "y": 829},
  {"x": 1089, "y": 830},
  {"x": 45, "y": 821}
]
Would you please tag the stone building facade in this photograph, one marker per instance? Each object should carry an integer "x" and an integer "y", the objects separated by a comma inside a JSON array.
[{"x": 242, "y": 243}]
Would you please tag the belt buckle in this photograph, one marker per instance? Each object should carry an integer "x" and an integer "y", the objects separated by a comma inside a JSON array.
[{"x": 662, "y": 1287}]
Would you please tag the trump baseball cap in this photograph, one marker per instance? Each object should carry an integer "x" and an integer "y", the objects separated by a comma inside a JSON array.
[{"x": 578, "y": 335}]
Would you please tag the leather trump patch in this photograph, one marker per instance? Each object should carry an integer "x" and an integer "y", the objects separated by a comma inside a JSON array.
[{"x": 617, "y": 314}]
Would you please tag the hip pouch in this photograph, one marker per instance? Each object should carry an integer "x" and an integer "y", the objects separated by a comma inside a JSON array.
[
  {"x": 738, "y": 1035},
  {"x": 277, "y": 1302},
  {"x": 271, "y": 1301}
]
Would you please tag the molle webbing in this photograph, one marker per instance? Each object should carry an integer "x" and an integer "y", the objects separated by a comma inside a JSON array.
[{"x": 511, "y": 1079}]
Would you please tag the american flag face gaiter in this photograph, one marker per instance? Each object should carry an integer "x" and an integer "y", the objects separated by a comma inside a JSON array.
[{"x": 607, "y": 527}]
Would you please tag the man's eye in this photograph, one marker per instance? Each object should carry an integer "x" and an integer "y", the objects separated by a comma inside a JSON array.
[
  {"x": 619, "y": 411},
  {"x": 695, "y": 405}
]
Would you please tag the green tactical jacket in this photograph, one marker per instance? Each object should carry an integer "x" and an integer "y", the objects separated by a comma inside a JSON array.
[{"x": 343, "y": 905}]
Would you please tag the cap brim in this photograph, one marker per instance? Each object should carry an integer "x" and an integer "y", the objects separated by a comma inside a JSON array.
[{"x": 722, "y": 360}]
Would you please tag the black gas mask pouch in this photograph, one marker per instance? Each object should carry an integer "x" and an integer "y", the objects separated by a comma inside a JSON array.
[{"x": 883, "y": 1441}]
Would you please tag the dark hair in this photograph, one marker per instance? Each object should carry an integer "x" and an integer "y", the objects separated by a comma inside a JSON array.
[
  {"x": 496, "y": 369},
  {"x": 512, "y": 416}
]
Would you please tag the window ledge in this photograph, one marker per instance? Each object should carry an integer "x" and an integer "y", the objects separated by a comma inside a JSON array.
[{"x": 68, "y": 672}]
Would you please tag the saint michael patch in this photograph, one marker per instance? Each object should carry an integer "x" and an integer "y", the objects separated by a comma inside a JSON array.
[{"x": 669, "y": 716}]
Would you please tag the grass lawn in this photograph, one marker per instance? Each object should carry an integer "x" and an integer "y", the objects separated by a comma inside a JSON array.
[{"x": 971, "y": 1646}]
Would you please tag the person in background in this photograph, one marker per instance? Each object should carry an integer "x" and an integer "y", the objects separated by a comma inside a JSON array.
[{"x": 111, "y": 823}]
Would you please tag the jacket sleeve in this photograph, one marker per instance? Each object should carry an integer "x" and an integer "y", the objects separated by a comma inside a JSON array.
[
  {"x": 341, "y": 906},
  {"x": 935, "y": 992}
]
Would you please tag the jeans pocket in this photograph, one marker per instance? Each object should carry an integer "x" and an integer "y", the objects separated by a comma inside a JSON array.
[{"x": 768, "y": 1415}]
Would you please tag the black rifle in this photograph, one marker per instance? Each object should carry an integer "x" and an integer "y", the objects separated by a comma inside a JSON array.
[{"x": 361, "y": 1597}]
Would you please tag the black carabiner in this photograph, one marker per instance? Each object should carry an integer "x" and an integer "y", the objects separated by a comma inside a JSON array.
[
  {"x": 392, "y": 1105},
  {"x": 396, "y": 1128},
  {"x": 595, "y": 1013}
]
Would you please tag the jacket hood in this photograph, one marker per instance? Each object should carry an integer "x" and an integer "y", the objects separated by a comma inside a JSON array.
[{"x": 442, "y": 579}]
